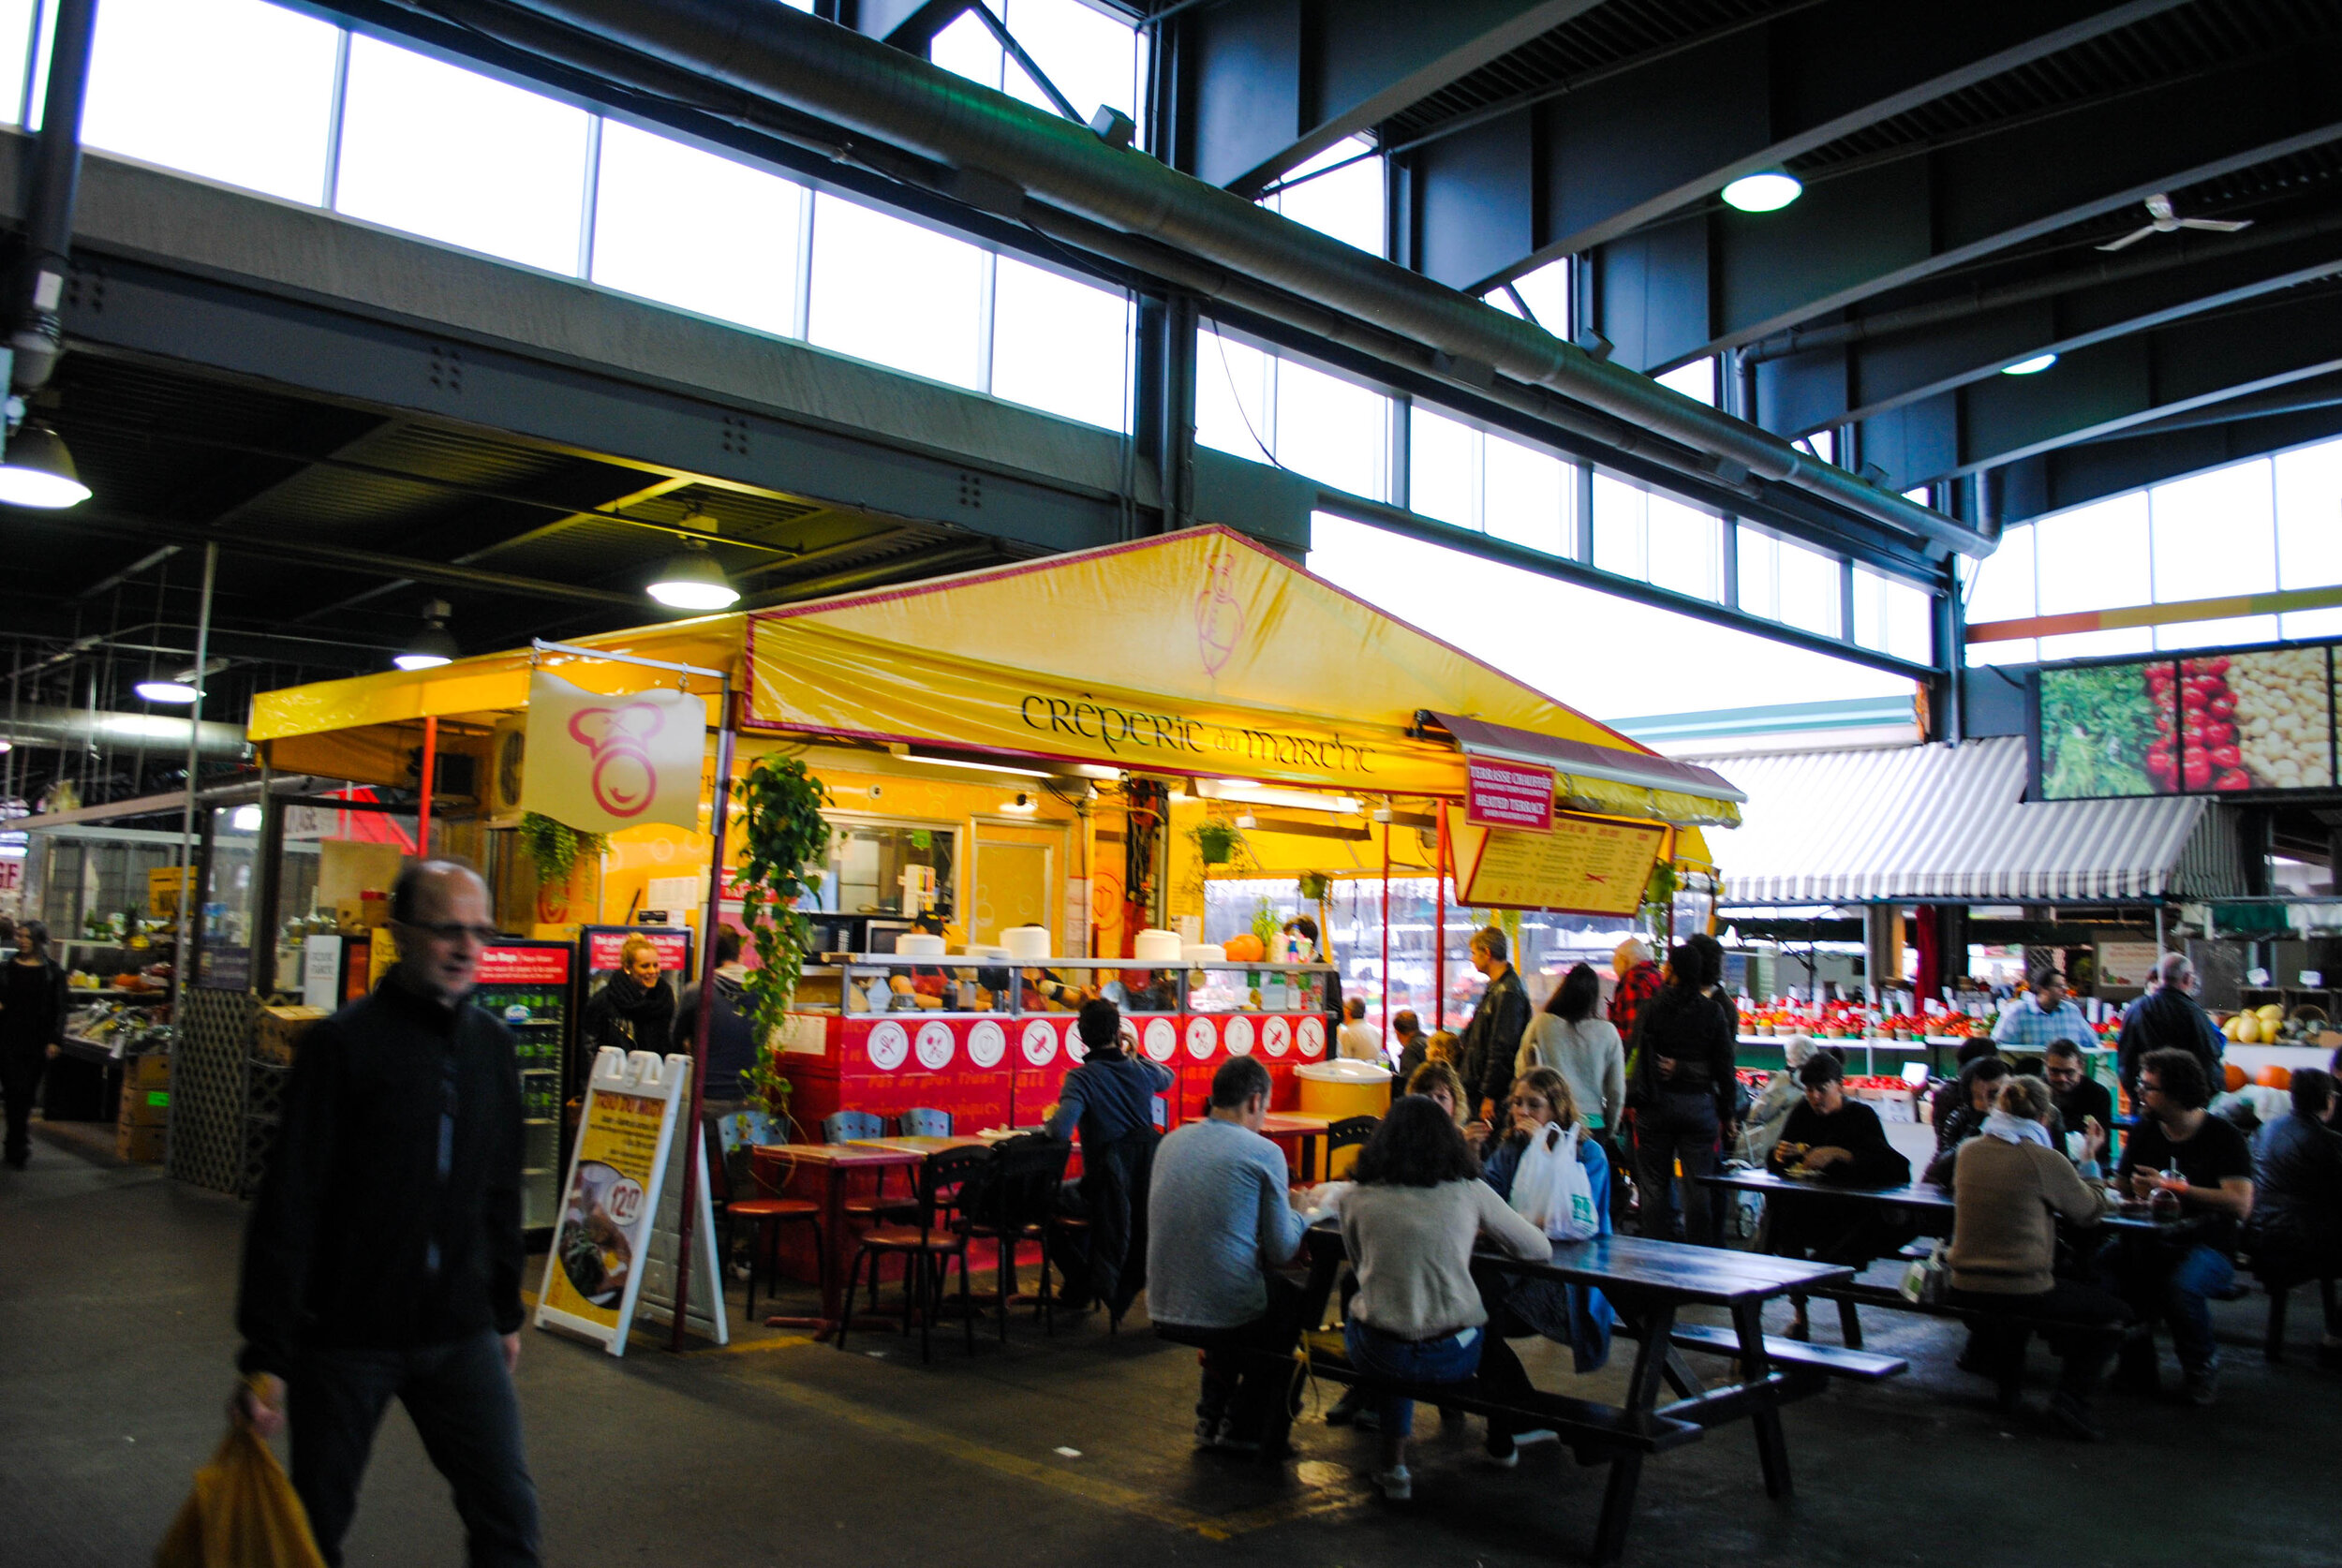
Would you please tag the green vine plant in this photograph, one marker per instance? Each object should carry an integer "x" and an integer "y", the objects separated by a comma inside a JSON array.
[
  {"x": 784, "y": 833},
  {"x": 554, "y": 848}
]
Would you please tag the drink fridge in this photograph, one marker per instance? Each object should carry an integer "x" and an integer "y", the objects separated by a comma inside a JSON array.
[{"x": 528, "y": 985}]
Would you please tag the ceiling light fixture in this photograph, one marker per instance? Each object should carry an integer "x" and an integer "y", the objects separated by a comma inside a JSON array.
[
  {"x": 160, "y": 691},
  {"x": 909, "y": 756},
  {"x": 1768, "y": 192},
  {"x": 2033, "y": 366},
  {"x": 244, "y": 818},
  {"x": 433, "y": 645},
  {"x": 1023, "y": 806},
  {"x": 691, "y": 578},
  {"x": 38, "y": 471}
]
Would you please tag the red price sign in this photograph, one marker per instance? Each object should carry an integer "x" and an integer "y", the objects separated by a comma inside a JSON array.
[
  {"x": 605, "y": 949},
  {"x": 1499, "y": 793},
  {"x": 624, "y": 1200},
  {"x": 524, "y": 966}
]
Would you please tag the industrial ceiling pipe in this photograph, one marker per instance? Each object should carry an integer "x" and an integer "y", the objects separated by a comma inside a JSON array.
[
  {"x": 74, "y": 728},
  {"x": 1008, "y": 155},
  {"x": 36, "y": 334}
]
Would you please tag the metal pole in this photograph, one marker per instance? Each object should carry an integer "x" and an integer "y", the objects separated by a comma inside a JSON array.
[
  {"x": 728, "y": 726},
  {"x": 1439, "y": 923},
  {"x": 187, "y": 818},
  {"x": 423, "y": 808},
  {"x": 1386, "y": 938},
  {"x": 34, "y": 334}
]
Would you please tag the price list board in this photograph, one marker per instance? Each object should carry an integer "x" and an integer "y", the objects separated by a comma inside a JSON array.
[{"x": 1584, "y": 865}]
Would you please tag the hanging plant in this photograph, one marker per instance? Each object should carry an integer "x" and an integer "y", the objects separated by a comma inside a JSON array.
[
  {"x": 1315, "y": 886},
  {"x": 1216, "y": 842},
  {"x": 1659, "y": 902},
  {"x": 785, "y": 836},
  {"x": 1265, "y": 923},
  {"x": 554, "y": 848}
]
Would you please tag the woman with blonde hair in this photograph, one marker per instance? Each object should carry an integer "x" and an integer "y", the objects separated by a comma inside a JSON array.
[{"x": 634, "y": 1011}]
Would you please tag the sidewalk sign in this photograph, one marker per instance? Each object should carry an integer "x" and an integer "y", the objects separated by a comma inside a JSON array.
[{"x": 705, "y": 1312}]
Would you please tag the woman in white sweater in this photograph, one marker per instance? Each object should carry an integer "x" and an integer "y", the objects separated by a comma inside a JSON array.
[
  {"x": 1582, "y": 1048},
  {"x": 1411, "y": 1225}
]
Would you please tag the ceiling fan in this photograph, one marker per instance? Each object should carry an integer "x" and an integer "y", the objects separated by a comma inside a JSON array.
[{"x": 2168, "y": 222}]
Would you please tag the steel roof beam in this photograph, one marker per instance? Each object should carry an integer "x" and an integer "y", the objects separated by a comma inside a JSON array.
[{"x": 2090, "y": 471}]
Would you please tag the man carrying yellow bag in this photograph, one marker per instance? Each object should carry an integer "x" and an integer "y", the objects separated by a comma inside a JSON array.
[
  {"x": 243, "y": 1512},
  {"x": 383, "y": 1256}
]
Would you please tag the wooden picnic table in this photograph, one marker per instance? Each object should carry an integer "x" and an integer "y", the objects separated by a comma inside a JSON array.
[
  {"x": 1928, "y": 1207},
  {"x": 1303, "y": 1130},
  {"x": 1647, "y": 1282}
]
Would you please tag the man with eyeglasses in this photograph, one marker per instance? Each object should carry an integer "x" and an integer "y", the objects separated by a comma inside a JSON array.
[
  {"x": 383, "y": 1256},
  {"x": 2205, "y": 1162}
]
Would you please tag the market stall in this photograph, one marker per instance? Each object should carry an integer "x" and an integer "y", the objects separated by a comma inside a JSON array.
[{"x": 1040, "y": 747}]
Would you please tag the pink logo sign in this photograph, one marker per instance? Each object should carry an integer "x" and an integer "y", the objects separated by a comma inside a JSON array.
[
  {"x": 1219, "y": 616},
  {"x": 624, "y": 778}
]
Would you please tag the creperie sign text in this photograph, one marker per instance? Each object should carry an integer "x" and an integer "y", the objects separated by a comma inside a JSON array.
[{"x": 1119, "y": 730}]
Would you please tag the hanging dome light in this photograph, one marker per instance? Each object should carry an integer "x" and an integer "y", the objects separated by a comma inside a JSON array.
[
  {"x": 39, "y": 472},
  {"x": 431, "y": 646},
  {"x": 1768, "y": 192},
  {"x": 691, "y": 578},
  {"x": 158, "y": 689},
  {"x": 2033, "y": 366}
]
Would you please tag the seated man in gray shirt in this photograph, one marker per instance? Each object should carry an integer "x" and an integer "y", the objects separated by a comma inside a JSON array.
[{"x": 1219, "y": 1223}]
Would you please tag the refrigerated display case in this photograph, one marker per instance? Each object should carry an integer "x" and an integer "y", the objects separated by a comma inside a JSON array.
[{"x": 528, "y": 985}]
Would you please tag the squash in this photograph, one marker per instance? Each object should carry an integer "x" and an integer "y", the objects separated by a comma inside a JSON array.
[
  {"x": 2277, "y": 1077},
  {"x": 1246, "y": 949},
  {"x": 2244, "y": 1028},
  {"x": 2235, "y": 1077}
]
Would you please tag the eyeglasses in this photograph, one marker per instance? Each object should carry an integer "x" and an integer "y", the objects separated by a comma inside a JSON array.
[{"x": 451, "y": 930}]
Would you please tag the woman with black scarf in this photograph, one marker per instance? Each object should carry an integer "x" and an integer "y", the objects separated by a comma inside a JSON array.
[{"x": 633, "y": 1012}]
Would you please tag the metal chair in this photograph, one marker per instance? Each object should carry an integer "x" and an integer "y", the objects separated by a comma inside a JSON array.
[
  {"x": 846, "y": 1126},
  {"x": 1014, "y": 1200},
  {"x": 1349, "y": 1133},
  {"x": 926, "y": 1247},
  {"x": 924, "y": 1124},
  {"x": 765, "y": 1208}
]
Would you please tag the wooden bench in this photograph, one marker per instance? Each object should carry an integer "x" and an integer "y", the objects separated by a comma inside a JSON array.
[{"x": 1858, "y": 1365}]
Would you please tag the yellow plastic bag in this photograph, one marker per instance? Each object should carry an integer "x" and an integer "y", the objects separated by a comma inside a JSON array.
[{"x": 241, "y": 1514}]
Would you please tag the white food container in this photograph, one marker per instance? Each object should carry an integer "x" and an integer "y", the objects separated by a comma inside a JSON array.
[
  {"x": 1026, "y": 944},
  {"x": 1156, "y": 945}
]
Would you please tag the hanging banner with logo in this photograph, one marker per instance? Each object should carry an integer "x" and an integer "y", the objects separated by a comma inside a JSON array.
[
  {"x": 599, "y": 763},
  {"x": 604, "y": 1244}
]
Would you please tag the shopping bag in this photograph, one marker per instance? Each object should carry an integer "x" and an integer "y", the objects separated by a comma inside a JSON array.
[
  {"x": 1928, "y": 1281},
  {"x": 1550, "y": 1187},
  {"x": 241, "y": 1514}
]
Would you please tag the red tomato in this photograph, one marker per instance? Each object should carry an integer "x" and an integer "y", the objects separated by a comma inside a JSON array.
[
  {"x": 2226, "y": 757},
  {"x": 2214, "y": 666},
  {"x": 2192, "y": 700},
  {"x": 2222, "y": 705},
  {"x": 2216, "y": 735},
  {"x": 2235, "y": 779},
  {"x": 2198, "y": 771}
]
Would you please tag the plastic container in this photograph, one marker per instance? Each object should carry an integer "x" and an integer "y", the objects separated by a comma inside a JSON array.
[
  {"x": 1026, "y": 944},
  {"x": 1156, "y": 946},
  {"x": 1343, "y": 1088},
  {"x": 919, "y": 944},
  {"x": 1202, "y": 952}
]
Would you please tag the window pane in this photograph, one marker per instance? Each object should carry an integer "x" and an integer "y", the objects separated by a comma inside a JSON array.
[
  {"x": 1346, "y": 203},
  {"x": 2217, "y": 634},
  {"x": 687, "y": 227},
  {"x": 966, "y": 47},
  {"x": 1910, "y": 631},
  {"x": 1870, "y": 608},
  {"x": 2001, "y": 588},
  {"x": 1060, "y": 346},
  {"x": 2214, "y": 534},
  {"x": 1526, "y": 496},
  {"x": 1809, "y": 589},
  {"x": 1760, "y": 574},
  {"x": 231, "y": 90},
  {"x": 2309, "y": 516},
  {"x": 2303, "y": 624},
  {"x": 1695, "y": 380},
  {"x": 1231, "y": 397},
  {"x": 1442, "y": 457},
  {"x": 1092, "y": 57},
  {"x": 1546, "y": 290},
  {"x": 2094, "y": 559},
  {"x": 895, "y": 293},
  {"x": 1622, "y": 538},
  {"x": 1685, "y": 545},
  {"x": 16, "y": 39},
  {"x": 1333, "y": 431},
  {"x": 455, "y": 155},
  {"x": 2096, "y": 645}
]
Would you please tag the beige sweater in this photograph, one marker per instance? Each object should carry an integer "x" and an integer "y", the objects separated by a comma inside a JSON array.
[
  {"x": 2004, "y": 1238},
  {"x": 1412, "y": 1248}
]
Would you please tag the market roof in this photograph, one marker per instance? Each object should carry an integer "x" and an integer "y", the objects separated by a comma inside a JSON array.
[
  {"x": 1951, "y": 823},
  {"x": 1200, "y": 653}
]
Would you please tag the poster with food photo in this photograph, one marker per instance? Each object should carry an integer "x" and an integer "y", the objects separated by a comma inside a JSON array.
[
  {"x": 2108, "y": 730},
  {"x": 2280, "y": 704}
]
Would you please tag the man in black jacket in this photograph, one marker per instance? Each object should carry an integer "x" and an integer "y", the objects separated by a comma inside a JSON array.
[
  {"x": 2168, "y": 1018},
  {"x": 1492, "y": 1039},
  {"x": 383, "y": 1255}
]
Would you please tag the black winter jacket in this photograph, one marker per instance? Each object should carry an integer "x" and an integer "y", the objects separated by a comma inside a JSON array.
[
  {"x": 2297, "y": 1183},
  {"x": 390, "y": 1217},
  {"x": 1492, "y": 1039},
  {"x": 1696, "y": 1033}
]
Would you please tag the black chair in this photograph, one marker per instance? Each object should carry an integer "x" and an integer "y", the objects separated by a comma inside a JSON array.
[
  {"x": 1349, "y": 1133},
  {"x": 925, "y": 1247},
  {"x": 2279, "y": 1280},
  {"x": 1014, "y": 1200}
]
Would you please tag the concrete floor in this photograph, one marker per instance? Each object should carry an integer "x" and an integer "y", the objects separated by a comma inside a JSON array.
[{"x": 116, "y": 1293}]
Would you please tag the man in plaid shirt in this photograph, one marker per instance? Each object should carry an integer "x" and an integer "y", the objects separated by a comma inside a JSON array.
[
  {"x": 2043, "y": 1015},
  {"x": 1639, "y": 981}
]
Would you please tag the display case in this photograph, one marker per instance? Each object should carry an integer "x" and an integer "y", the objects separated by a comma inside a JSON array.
[
  {"x": 992, "y": 1044},
  {"x": 528, "y": 985}
]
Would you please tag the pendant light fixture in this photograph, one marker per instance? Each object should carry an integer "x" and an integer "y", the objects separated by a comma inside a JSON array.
[
  {"x": 691, "y": 578},
  {"x": 38, "y": 471},
  {"x": 433, "y": 645}
]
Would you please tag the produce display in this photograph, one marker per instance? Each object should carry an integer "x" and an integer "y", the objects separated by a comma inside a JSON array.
[
  {"x": 2272, "y": 1025},
  {"x": 2213, "y": 723}
]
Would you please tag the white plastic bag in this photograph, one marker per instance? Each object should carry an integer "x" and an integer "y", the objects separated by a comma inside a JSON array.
[{"x": 1550, "y": 1187}]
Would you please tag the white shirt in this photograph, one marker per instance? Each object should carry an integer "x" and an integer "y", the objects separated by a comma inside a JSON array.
[{"x": 1358, "y": 1040}]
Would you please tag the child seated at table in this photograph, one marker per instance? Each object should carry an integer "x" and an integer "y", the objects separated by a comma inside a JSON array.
[{"x": 1831, "y": 1141}]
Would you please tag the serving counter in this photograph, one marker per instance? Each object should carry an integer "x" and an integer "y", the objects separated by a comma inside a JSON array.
[{"x": 886, "y": 1033}]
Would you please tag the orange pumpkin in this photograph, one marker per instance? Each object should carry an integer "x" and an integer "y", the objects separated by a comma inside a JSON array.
[
  {"x": 1246, "y": 949},
  {"x": 2236, "y": 1078},
  {"x": 2276, "y": 1077}
]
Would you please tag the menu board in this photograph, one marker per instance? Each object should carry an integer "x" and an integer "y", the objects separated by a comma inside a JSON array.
[
  {"x": 1584, "y": 865},
  {"x": 2206, "y": 723}
]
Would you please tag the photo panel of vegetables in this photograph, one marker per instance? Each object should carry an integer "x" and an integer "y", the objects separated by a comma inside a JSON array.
[{"x": 2204, "y": 724}]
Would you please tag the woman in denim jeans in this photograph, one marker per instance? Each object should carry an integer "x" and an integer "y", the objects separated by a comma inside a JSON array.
[{"x": 1411, "y": 1225}]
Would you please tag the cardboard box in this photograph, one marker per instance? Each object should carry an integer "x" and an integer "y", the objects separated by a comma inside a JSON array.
[
  {"x": 144, "y": 1107},
  {"x": 278, "y": 1031},
  {"x": 149, "y": 1072},
  {"x": 141, "y": 1146}
]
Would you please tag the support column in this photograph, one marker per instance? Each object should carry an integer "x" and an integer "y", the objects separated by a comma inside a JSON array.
[
  {"x": 1882, "y": 941},
  {"x": 1163, "y": 421}
]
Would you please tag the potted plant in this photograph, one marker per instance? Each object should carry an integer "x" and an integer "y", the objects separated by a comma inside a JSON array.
[
  {"x": 555, "y": 847},
  {"x": 1216, "y": 842},
  {"x": 785, "y": 836},
  {"x": 1315, "y": 885}
]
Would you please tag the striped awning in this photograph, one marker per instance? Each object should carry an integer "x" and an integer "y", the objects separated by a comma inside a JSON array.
[{"x": 1950, "y": 822}]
